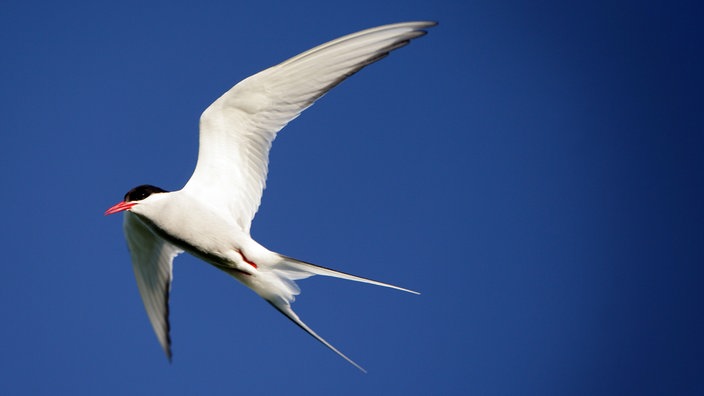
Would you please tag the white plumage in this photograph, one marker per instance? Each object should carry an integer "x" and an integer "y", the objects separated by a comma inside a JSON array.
[{"x": 210, "y": 216}]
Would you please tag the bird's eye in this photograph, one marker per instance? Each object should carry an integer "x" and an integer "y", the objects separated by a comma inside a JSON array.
[{"x": 142, "y": 192}]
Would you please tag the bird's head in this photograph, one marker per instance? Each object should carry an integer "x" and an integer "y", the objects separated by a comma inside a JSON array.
[{"x": 134, "y": 197}]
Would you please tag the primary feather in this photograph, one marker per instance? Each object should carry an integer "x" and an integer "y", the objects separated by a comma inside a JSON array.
[{"x": 237, "y": 130}]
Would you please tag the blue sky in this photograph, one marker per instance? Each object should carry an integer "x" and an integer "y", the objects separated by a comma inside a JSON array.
[{"x": 533, "y": 168}]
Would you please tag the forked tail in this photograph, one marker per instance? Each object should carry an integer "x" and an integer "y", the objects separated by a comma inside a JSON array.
[
  {"x": 286, "y": 310},
  {"x": 300, "y": 270},
  {"x": 280, "y": 290}
]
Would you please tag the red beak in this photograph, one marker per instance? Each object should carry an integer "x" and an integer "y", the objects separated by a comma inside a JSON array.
[{"x": 120, "y": 207}]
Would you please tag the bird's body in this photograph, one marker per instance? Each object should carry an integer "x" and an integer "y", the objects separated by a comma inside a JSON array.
[
  {"x": 210, "y": 216},
  {"x": 216, "y": 238}
]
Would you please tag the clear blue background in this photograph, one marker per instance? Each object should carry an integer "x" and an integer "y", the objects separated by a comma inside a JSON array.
[{"x": 533, "y": 168}]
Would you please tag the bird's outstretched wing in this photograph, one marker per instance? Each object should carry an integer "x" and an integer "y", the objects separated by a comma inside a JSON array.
[
  {"x": 152, "y": 259},
  {"x": 237, "y": 130}
]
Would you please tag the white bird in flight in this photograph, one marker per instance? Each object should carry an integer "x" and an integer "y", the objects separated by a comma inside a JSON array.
[{"x": 210, "y": 216}]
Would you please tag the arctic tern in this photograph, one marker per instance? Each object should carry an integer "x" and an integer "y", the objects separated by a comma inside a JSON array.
[{"x": 210, "y": 216}]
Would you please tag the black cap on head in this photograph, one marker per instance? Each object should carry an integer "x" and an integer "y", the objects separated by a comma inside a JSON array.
[{"x": 140, "y": 192}]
